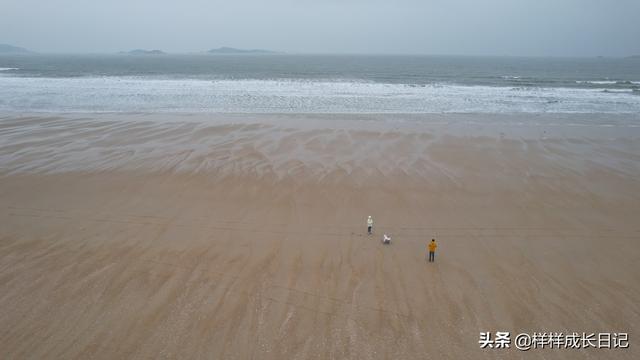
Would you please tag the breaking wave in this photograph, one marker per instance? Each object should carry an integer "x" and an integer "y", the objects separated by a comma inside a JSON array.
[{"x": 144, "y": 94}]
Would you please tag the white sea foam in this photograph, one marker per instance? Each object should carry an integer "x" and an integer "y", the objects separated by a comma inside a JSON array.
[
  {"x": 600, "y": 82},
  {"x": 125, "y": 94},
  {"x": 608, "y": 82}
]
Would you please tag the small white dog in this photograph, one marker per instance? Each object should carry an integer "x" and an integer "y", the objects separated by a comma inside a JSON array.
[{"x": 386, "y": 239}]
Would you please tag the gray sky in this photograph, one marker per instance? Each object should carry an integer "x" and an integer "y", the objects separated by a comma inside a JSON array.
[{"x": 469, "y": 27}]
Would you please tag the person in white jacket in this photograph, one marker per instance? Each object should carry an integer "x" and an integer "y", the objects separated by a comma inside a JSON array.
[{"x": 369, "y": 225}]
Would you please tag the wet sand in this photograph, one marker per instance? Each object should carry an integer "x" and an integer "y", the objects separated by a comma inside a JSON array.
[{"x": 243, "y": 236}]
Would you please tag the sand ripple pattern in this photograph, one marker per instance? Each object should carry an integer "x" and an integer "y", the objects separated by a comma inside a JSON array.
[{"x": 272, "y": 150}]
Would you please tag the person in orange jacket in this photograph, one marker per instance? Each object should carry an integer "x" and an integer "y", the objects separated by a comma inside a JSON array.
[{"x": 432, "y": 250}]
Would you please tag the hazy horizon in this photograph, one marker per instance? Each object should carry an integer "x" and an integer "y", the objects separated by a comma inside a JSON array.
[
  {"x": 567, "y": 28},
  {"x": 276, "y": 52}
]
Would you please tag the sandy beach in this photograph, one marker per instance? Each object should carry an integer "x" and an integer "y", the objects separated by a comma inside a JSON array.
[{"x": 243, "y": 236}]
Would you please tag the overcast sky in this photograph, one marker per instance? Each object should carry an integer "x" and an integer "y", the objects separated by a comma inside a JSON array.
[{"x": 467, "y": 27}]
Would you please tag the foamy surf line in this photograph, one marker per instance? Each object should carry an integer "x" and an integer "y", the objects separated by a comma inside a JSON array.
[
  {"x": 608, "y": 82},
  {"x": 143, "y": 94}
]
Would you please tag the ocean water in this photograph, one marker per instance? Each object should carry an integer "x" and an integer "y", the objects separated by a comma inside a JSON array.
[{"x": 318, "y": 84}]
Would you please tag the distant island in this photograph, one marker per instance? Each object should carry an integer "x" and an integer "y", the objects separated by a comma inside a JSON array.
[
  {"x": 10, "y": 49},
  {"x": 143, "y": 52},
  {"x": 230, "y": 50}
]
